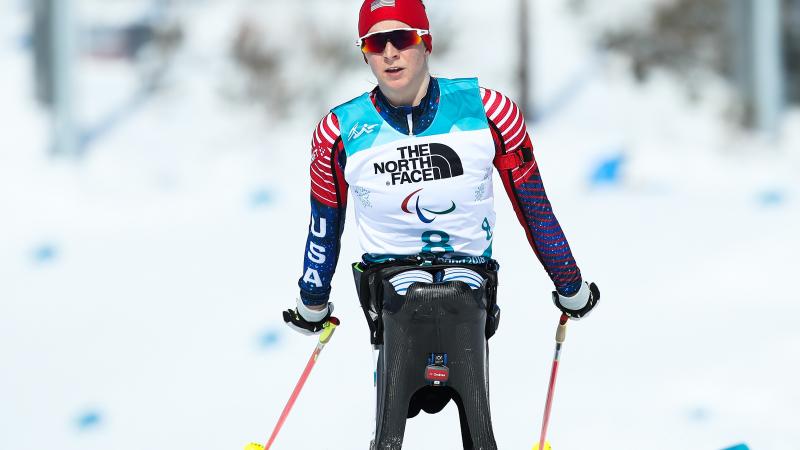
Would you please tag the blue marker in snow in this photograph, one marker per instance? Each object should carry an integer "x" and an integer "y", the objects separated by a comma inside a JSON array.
[
  {"x": 270, "y": 338},
  {"x": 699, "y": 414},
  {"x": 773, "y": 197},
  {"x": 89, "y": 420},
  {"x": 738, "y": 447},
  {"x": 261, "y": 197},
  {"x": 45, "y": 253},
  {"x": 608, "y": 171}
]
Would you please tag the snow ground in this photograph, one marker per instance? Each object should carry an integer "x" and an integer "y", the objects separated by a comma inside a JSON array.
[{"x": 140, "y": 290}]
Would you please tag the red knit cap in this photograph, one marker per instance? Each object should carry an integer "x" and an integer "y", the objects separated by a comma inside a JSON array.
[{"x": 411, "y": 12}]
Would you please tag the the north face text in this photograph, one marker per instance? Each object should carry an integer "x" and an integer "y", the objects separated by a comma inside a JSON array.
[{"x": 422, "y": 162}]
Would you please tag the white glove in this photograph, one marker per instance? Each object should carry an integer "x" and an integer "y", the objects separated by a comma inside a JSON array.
[
  {"x": 306, "y": 320},
  {"x": 581, "y": 303}
]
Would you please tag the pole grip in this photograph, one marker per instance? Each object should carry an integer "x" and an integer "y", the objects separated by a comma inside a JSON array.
[
  {"x": 327, "y": 330},
  {"x": 561, "y": 331}
]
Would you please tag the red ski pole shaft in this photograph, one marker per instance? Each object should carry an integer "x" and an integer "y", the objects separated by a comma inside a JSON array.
[
  {"x": 330, "y": 326},
  {"x": 561, "y": 334}
]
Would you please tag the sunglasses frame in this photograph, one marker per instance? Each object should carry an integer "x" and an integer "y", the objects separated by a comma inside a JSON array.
[{"x": 360, "y": 41}]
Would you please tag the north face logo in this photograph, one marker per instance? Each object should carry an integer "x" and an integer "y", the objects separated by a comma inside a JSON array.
[{"x": 423, "y": 162}]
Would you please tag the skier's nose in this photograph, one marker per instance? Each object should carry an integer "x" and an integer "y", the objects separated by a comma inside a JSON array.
[{"x": 390, "y": 52}]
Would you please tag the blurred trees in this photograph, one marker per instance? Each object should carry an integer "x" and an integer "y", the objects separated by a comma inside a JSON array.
[
  {"x": 286, "y": 58},
  {"x": 742, "y": 41},
  {"x": 791, "y": 39},
  {"x": 289, "y": 63},
  {"x": 261, "y": 65},
  {"x": 686, "y": 36}
]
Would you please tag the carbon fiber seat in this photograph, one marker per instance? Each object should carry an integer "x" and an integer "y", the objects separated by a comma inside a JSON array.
[{"x": 434, "y": 350}]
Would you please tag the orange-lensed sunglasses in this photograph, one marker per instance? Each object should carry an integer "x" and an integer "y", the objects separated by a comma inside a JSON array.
[{"x": 400, "y": 38}]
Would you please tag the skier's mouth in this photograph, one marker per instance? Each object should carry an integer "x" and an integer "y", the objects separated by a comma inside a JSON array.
[{"x": 394, "y": 70}]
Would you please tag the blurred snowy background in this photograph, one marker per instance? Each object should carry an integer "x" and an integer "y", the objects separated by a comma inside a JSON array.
[{"x": 154, "y": 208}]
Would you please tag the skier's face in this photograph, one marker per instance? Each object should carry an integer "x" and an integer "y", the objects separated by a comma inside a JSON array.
[{"x": 400, "y": 73}]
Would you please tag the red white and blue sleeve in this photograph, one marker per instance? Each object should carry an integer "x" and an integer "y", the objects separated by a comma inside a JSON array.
[
  {"x": 328, "y": 207},
  {"x": 519, "y": 171}
]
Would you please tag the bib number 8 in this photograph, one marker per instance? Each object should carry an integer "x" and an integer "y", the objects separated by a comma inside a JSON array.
[{"x": 436, "y": 242}]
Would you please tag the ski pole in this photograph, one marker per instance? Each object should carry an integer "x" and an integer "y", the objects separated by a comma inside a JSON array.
[
  {"x": 561, "y": 333},
  {"x": 328, "y": 328}
]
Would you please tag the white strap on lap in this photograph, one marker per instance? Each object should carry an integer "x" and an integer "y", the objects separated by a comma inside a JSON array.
[
  {"x": 403, "y": 280},
  {"x": 472, "y": 278}
]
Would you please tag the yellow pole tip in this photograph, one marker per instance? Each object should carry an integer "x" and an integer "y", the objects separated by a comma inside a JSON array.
[
  {"x": 536, "y": 446},
  {"x": 253, "y": 446}
]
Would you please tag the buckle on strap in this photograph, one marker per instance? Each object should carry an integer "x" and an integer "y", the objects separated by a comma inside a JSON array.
[{"x": 514, "y": 159}]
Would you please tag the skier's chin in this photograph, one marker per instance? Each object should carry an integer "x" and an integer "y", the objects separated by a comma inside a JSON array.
[{"x": 396, "y": 83}]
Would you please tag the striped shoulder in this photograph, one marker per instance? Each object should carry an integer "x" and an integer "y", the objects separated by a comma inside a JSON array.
[
  {"x": 506, "y": 116},
  {"x": 327, "y": 131},
  {"x": 323, "y": 185}
]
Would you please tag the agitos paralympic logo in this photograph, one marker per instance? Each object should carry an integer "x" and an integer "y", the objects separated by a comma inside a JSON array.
[
  {"x": 404, "y": 207},
  {"x": 422, "y": 162}
]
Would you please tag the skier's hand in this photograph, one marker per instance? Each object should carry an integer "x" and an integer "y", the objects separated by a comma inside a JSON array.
[
  {"x": 580, "y": 304},
  {"x": 307, "y": 320}
]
